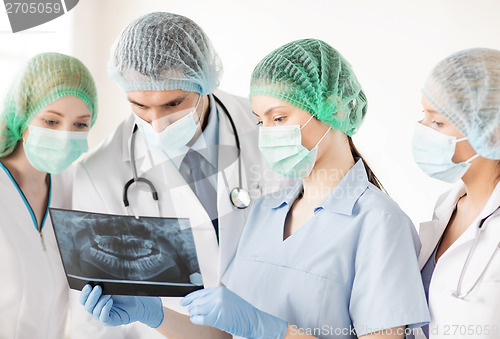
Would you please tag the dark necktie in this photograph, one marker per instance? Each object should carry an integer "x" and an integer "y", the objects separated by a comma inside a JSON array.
[{"x": 196, "y": 170}]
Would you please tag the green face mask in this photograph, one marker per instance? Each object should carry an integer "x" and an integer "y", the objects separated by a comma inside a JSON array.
[
  {"x": 52, "y": 151},
  {"x": 283, "y": 151}
]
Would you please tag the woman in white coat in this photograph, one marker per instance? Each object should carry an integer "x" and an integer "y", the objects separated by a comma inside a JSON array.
[
  {"x": 43, "y": 129},
  {"x": 459, "y": 138}
]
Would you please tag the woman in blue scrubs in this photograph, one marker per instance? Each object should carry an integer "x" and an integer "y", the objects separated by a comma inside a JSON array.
[
  {"x": 44, "y": 124},
  {"x": 334, "y": 257}
]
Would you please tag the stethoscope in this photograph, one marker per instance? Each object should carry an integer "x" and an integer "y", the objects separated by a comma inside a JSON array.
[
  {"x": 240, "y": 198},
  {"x": 480, "y": 230}
]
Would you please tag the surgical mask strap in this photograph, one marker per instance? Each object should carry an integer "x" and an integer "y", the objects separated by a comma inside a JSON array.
[
  {"x": 324, "y": 135},
  {"x": 472, "y": 158},
  {"x": 312, "y": 116},
  {"x": 202, "y": 109}
]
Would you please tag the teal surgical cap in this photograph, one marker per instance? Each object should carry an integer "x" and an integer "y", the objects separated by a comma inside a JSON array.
[
  {"x": 164, "y": 51},
  {"x": 45, "y": 78},
  {"x": 465, "y": 89},
  {"x": 311, "y": 75}
]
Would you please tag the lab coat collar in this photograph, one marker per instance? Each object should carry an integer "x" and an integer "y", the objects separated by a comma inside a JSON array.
[
  {"x": 245, "y": 123},
  {"x": 431, "y": 231},
  {"x": 340, "y": 200},
  {"x": 490, "y": 207},
  {"x": 445, "y": 205},
  {"x": 487, "y": 246},
  {"x": 492, "y": 204}
]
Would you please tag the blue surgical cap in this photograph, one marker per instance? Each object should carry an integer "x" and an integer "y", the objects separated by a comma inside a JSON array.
[
  {"x": 164, "y": 51},
  {"x": 465, "y": 89}
]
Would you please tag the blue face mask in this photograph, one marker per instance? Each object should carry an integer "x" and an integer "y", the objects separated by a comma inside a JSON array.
[
  {"x": 52, "y": 151},
  {"x": 175, "y": 135},
  {"x": 283, "y": 151},
  {"x": 433, "y": 152}
]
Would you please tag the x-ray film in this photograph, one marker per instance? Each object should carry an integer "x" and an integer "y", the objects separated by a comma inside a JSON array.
[{"x": 128, "y": 256}]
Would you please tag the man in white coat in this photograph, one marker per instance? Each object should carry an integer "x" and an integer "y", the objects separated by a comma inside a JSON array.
[{"x": 193, "y": 143}]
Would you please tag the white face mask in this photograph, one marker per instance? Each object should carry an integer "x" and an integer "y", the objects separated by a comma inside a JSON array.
[
  {"x": 283, "y": 151},
  {"x": 175, "y": 135},
  {"x": 433, "y": 152}
]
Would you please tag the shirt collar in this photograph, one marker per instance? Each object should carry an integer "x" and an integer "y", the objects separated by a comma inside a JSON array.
[{"x": 340, "y": 200}]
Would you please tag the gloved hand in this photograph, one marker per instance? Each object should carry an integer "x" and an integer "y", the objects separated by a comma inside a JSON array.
[
  {"x": 114, "y": 310},
  {"x": 220, "y": 308}
]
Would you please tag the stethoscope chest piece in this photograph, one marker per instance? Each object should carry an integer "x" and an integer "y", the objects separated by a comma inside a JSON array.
[{"x": 240, "y": 197}]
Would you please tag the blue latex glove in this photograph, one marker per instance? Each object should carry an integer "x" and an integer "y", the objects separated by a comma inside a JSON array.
[
  {"x": 114, "y": 310},
  {"x": 220, "y": 308}
]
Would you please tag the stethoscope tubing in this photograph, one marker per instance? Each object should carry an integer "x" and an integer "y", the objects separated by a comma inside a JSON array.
[
  {"x": 480, "y": 231},
  {"x": 154, "y": 192}
]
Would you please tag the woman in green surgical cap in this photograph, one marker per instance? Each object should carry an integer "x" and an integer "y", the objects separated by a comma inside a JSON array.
[
  {"x": 334, "y": 257},
  {"x": 43, "y": 128}
]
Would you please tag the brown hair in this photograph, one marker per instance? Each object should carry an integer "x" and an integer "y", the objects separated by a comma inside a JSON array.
[{"x": 371, "y": 176}]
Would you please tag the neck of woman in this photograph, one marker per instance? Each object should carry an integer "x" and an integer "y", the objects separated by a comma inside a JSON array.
[
  {"x": 480, "y": 181},
  {"x": 23, "y": 172},
  {"x": 331, "y": 166}
]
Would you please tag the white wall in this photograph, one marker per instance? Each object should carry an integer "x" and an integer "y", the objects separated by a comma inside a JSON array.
[{"x": 392, "y": 45}]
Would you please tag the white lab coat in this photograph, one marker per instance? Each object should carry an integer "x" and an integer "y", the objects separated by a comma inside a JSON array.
[
  {"x": 478, "y": 316},
  {"x": 34, "y": 291},
  {"x": 101, "y": 176}
]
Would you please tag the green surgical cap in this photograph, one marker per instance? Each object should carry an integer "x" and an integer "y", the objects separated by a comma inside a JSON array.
[
  {"x": 311, "y": 75},
  {"x": 45, "y": 78}
]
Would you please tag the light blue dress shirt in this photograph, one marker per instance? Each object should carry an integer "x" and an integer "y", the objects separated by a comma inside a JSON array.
[{"x": 350, "y": 270}]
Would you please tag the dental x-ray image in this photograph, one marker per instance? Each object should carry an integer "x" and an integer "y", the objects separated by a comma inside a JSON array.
[{"x": 125, "y": 255}]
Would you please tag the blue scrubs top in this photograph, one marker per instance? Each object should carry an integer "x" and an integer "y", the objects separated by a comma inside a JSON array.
[{"x": 350, "y": 270}]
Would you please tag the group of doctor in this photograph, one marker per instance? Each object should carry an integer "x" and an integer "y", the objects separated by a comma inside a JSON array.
[{"x": 322, "y": 251}]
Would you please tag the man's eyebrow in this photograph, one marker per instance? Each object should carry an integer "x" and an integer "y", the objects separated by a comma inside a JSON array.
[
  {"x": 168, "y": 103},
  {"x": 134, "y": 102},
  {"x": 180, "y": 98}
]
